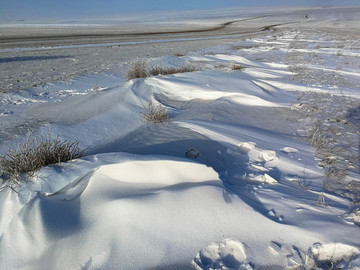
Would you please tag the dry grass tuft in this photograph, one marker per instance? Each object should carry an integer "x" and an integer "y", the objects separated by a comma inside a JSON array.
[
  {"x": 35, "y": 153},
  {"x": 237, "y": 67},
  {"x": 139, "y": 69},
  {"x": 179, "y": 54},
  {"x": 154, "y": 113},
  {"x": 154, "y": 71},
  {"x": 332, "y": 128}
]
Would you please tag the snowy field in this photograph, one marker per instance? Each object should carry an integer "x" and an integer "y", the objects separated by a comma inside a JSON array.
[{"x": 257, "y": 166}]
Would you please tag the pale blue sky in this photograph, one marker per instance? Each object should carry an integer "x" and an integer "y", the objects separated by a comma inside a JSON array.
[{"x": 11, "y": 10}]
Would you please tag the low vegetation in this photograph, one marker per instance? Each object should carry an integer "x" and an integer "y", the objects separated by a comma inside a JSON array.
[
  {"x": 237, "y": 67},
  {"x": 331, "y": 124},
  {"x": 179, "y": 54},
  {"x": 154, "y": 113},
  {"x": 35, "y": 153},
  {"x": 154, "y": 71},
  {"x": 139, "y": 69}
]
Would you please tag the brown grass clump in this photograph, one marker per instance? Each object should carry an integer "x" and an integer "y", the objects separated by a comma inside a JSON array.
[
  {"x": 154, "y": 71},
  {"x": 139, "y": 69},
  {"x": 155, "y": 113},
  {"x": 237, "y": 67},
  {"x": 179, "y": 54},
  {"x": 36, "y": 153}
]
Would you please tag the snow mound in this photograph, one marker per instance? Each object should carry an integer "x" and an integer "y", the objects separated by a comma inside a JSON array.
[
  {"x": 104, "y": 209},
  {"x": 228, "y": 254},
  {"x": 246, "y": 147},
  {"x": 334, "y": 253},
  {"x": 167, "y": 172},
  {"x": 267, "y": 155},
  {"x": 288, "y": 150}
]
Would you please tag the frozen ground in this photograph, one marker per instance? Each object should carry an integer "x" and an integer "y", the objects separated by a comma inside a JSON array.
[
  {"x": 258, "y": 195},
  {"x": 63, "y": 51}
]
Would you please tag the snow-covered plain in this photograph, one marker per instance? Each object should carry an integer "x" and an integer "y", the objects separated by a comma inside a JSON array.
[{"x": 254, "y": 197}]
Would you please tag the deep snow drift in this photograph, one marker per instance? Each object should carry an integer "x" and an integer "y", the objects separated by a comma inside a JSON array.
[{"x": 252, "y": 197}]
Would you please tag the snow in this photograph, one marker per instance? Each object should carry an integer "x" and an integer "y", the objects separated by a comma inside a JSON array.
[
  {"x": 226, "y": 183},
  {"x": 229, "y": 253},
  {"x": 267, "y": 155},
  {"x": 289, "y": 150},
  {"x": 334, "y": 252},
  {"x": 246, "y": 147}
]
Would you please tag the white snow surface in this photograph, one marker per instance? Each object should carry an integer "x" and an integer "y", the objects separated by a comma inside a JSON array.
[{"x": 252, "y": 199}]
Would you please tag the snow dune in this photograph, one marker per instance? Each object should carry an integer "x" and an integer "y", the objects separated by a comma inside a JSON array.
[
  {"x": 122, "y": 211},
  {"x": 140, "y": 212}
]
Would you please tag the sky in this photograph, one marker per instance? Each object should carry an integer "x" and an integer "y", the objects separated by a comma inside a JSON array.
[{"x": 12, "y": 10}]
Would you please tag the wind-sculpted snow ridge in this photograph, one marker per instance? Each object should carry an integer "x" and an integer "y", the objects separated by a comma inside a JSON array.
[
  {"x": 122, "y": 211},
  {"x": 225, "y": 183}
]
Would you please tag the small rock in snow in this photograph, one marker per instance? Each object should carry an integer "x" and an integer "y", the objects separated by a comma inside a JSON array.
[{"x": 192, "y": 153}]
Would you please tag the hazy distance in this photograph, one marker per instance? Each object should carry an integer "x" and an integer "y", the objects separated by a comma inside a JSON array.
[{"x": 25, "y": 10}]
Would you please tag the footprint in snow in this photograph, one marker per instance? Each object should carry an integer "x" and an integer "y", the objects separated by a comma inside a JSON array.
[
  {"x": 275, "y": 247},
  {"x": 272, "y": 214},
  {"x": 296, "y": 258}
]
